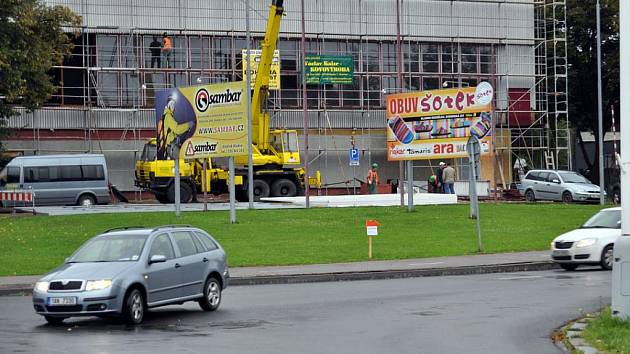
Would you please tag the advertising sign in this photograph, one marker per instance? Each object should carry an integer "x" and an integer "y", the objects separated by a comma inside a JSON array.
[
  {"x": 203, "y": 121},
  {"x": 328, "y": 69},
  {"x": 254, "y": 59},
  {"x": 436, "y": 124}
]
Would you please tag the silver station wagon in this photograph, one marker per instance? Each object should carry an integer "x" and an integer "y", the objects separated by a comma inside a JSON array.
[{"x": 125, "y": 271}]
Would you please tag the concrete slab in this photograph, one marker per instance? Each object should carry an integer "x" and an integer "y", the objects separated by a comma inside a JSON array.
[{"x": 366, "y": 200}]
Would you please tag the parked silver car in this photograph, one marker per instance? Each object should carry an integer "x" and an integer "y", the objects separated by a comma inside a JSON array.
[
  {"x": 125, "y": 271},
  {"x": 566, "y": 186}
]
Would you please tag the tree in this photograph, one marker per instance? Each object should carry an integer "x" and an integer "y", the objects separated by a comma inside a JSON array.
[
  {"x": 582, "y": 60},
  {"x": 34, "y": 38}
]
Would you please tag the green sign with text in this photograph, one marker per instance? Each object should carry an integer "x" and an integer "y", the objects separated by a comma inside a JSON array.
[{"x": 328, "y": 69}]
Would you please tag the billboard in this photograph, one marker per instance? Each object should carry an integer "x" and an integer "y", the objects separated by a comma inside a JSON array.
[
  {"x": 203, "y": 121},
  {"x": 254, "y": 59},
  {"x": 436, "y": 124},
  {"x": 328, "y": 69}
]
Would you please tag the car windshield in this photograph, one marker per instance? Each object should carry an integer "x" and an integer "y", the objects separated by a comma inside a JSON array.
[
  {"x": 571, "y": 177},
  {"x": 111, "y": 248},
  {"x": 149, "y": 152},
  {"x": 605, "y": 219}
]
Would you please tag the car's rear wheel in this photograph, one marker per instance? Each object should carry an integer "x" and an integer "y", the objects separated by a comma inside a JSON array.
[
  {"x": 568, "y": 266},
  {"x": 86, "y": 200},
  {"x": 607, "y": 258},
  {"x": 134, "y": 307},
  {"x": 567, "y": 197},
  {"x": 211, "y": 295},
  {"x": 529, "y": 196},
  {"x": 54, "y": 320}
]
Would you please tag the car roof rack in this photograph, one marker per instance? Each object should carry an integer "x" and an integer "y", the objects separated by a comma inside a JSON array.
[
  {"x": 124, "y": 228},
  {"x": 169, "y": 226}
]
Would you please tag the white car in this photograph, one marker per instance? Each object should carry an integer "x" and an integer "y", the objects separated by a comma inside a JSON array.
[{"x": 591, "y": 244}]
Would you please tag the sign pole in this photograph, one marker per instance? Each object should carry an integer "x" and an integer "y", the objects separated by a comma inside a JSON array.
[
  {"x": 370, "y": 247},
  {"x": 410, "y": 205},
  {"x": 600, "y": 129},
  {"x": 232, "y": 192},
  {"x": 177, "y": 181},
  {"x": 204, "y": 184}
]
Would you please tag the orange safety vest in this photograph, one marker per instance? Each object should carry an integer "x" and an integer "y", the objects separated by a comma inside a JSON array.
[
  {"x": 372, "y": 175},
  {"x": 167, "y": 43}
]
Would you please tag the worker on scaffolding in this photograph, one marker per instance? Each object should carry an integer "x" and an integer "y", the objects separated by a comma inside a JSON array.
[
  {"x": 167, "y": 50},
  {"x": 372, "y": 179},
  {"x": 155, "y": 47}
]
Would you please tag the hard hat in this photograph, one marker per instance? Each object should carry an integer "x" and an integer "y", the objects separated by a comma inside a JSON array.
[
  {"x": 442, "y": 163},
  {"x": 375, "y": 165}
]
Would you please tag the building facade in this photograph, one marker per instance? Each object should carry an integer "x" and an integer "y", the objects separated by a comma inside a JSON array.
[{"x": 105, "y": 101}]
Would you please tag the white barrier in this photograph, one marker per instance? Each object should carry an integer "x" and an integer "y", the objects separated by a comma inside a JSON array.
[{"x": 18, "y": 196}]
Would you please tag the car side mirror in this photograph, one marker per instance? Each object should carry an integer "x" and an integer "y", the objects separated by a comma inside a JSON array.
[
  {"x": 556, "y": 181},
  {"x": 158, "y": 258}
]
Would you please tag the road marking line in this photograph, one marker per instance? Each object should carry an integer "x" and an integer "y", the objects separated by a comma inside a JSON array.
[{"x": 522, "y": 277}]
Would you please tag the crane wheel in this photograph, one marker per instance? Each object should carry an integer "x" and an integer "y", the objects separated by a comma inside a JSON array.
[
  {"x": 283, "y": 188},
  {"x": 261, "y": 189}
]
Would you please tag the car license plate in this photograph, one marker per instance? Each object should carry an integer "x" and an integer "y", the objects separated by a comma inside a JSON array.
[
  {"x": 62, "y": 301},
  {"x": 560, "y": 253},
  {"x": 594, "y": 195}
]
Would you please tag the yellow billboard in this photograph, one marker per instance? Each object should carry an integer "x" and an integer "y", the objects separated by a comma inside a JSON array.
[
  {"x": 203, "y": 121},
  {"x": 254, "y": 59},
  {"x": 436, "y": 124}
]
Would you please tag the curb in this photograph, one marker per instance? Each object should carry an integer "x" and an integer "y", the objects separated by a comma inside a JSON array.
[
  {"x": 25, "y": 289},
  {"x": 573, "y": 341}
]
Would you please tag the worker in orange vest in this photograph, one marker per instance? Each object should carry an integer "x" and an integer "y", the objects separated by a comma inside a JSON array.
[
  {"x": 167, "y": 50},
  {"x": 372, "y": 179}
]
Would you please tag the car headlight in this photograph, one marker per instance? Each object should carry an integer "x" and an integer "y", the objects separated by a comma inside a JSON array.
[
  {"x": 586, "y": 242},
  {"x": 98, "y": 284},
  {"x": 42, "y": 286},
  {"x": 551, "y": 244}
]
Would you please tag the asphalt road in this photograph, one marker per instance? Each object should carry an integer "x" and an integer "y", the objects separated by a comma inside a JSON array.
[{"x": 491, "y": 313}]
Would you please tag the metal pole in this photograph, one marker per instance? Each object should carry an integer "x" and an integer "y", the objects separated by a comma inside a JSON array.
[
  {"x": 232, "y": 191},
  {"x": 250, "y": 158},
  {"x": 204, "y": 184},
  {"x": 410, "y": 205},
  {"x": 600, "y": 128},
  {"x": 401, "y": 166},
  {"x": 620, "y": 302},
  {"x": 175, "y": 150},
  {"x": 304, "y": 112},
  {"x": 474, "y": 195}
]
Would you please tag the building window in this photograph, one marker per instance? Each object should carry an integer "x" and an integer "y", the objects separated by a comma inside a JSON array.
[
  {"x": 371, "y": 91},
  {"x": 199, "y": 48},
  {"x": 221, "y": 54},
  {"x": 469, "y": 58},
  {"x": 107, "y": 51},
  {"x": 370, "y": 57},
  {"x": 485, "y": 59},
  {"x": 431, "y": 83},
  {"x": 449, "y": 58},
  {"x": 430, "y": 62},
  {"x": 389, "y": 57},
  {"x": 411, "y": 57}
]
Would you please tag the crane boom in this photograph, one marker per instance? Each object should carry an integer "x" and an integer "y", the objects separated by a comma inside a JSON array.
[{"x": 260, "y": 118}]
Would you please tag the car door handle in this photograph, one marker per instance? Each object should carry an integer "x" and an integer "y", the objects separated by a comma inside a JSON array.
[
  {"x": 205, "y": 259},
  {"x": 177, "y": 265}
]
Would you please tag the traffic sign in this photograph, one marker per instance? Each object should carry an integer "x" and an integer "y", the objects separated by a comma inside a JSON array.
[{"x": 354, "y": 157}]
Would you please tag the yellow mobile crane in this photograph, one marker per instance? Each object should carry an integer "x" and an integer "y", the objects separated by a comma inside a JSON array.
[{"x": 276, "y": 155}]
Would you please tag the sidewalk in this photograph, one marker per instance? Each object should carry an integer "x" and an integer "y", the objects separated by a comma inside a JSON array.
[{"x": 440, "y": 266}]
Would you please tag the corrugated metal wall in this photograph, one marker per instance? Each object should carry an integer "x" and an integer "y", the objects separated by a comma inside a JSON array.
[
  {"x": 73, "y": 118},
  {"x": 500, "y": 20}
]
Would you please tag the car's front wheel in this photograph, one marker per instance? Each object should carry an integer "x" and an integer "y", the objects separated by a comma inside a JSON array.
[
  {"x": 211, "y": 295},
  {"x": 134, "y": 307},
  {"x": 529, "y": 196},
  {"x": 54, "y": 320},
  {"x": 567, "y": 197},
  {"x": 607, "y": 258},
  {"x": 568, "y": 266}
]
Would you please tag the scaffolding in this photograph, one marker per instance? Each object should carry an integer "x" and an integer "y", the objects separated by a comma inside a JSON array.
[{"x": 115, "y": 84}]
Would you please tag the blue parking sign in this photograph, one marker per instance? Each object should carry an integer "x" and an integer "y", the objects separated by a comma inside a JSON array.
[{"x": 354, "y": 157}]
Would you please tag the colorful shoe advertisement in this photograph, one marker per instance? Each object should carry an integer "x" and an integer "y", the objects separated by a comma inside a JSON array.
[
  {"x": 437, "y": 124},
  {"x": 202, "y": 121}
]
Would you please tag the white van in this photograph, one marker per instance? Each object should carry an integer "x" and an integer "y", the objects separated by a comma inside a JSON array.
[{"x": 58, "y": 179}]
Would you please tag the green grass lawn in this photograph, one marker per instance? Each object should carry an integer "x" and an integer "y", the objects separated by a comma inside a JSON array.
[
  {"x": 34, "y": 245},
  {"x": 608, "y": 334}
]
